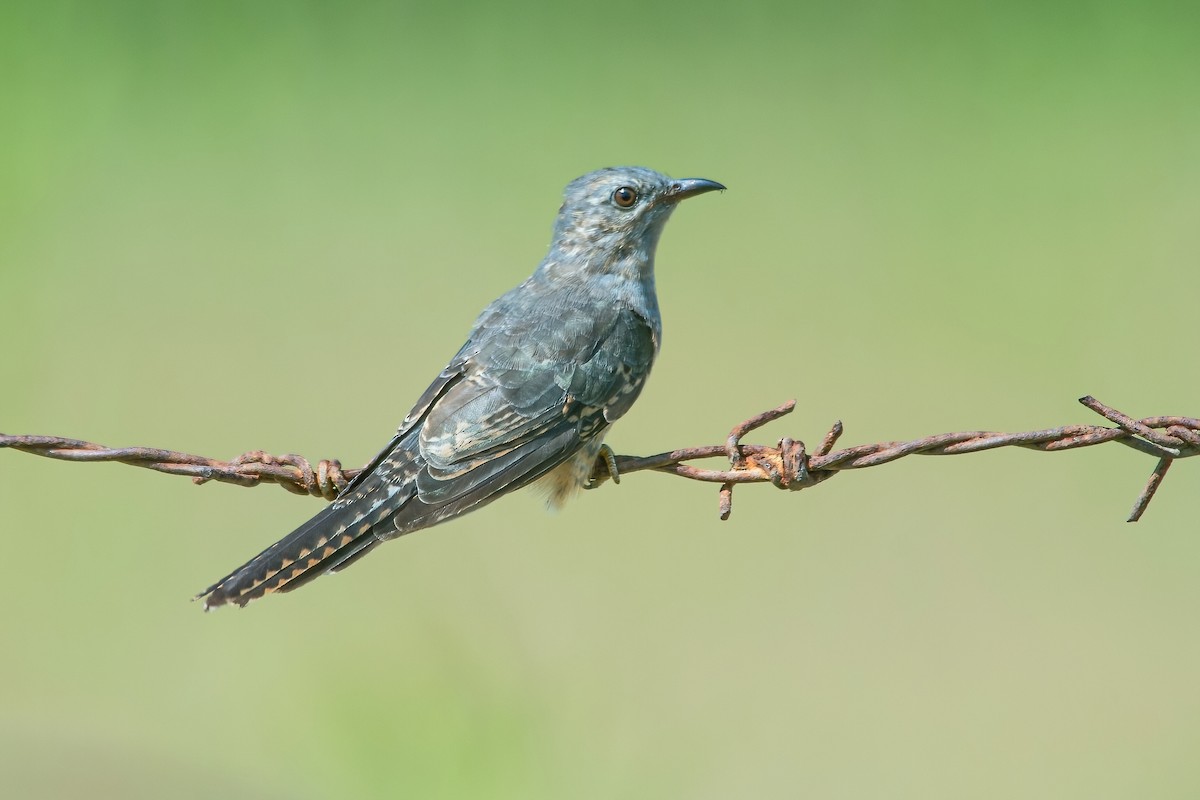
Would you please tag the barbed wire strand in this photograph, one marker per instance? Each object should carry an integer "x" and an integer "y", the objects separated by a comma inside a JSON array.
[{"x": 787, "y": 465}]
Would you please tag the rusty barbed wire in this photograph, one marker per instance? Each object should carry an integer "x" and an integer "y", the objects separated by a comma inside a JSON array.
[
  {"x": 788, "y": 465},
  {"x": 290, "y": 471}
]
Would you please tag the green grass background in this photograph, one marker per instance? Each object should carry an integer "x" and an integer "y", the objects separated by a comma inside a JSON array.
[{"x": 229, "y": 226}]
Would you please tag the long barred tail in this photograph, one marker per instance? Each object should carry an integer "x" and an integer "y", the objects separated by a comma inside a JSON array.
[{"x": 336, "y": 537}]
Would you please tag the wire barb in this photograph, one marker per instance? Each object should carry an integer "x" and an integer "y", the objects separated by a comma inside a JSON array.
[
  {"x": 292, "y": 472},
  {"x": 787, "y": 465}
]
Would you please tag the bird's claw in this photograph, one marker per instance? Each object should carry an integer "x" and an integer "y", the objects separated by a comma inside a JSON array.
[{"x": 604, "y": 468}]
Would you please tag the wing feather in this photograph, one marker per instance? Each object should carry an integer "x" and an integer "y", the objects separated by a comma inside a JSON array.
[{"x": 511, "y": 417}]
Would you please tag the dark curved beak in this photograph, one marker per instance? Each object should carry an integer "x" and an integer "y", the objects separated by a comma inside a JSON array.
[{"x": 690, "y": 187}]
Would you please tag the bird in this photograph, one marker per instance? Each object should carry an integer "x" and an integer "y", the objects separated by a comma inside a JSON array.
[{"x": 546, "y": 369}]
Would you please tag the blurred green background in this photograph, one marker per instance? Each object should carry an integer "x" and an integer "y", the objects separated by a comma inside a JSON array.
[{"x": 230, "y": 226}]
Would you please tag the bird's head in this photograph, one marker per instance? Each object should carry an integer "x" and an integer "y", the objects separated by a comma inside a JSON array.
[{"x": 616, "y": 213}]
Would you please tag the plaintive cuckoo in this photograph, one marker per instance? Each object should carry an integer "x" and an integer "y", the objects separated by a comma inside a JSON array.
[{"x": 545, "y": 370}]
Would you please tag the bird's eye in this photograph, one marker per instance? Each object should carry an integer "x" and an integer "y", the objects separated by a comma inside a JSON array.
[{"x": 625, "y": 197}]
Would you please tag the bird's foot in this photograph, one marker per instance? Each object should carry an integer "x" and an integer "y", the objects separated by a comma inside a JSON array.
[{"x": 604, "y": 468}]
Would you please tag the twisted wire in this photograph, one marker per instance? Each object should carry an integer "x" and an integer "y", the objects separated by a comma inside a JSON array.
[{"x": 787, "y": 465}]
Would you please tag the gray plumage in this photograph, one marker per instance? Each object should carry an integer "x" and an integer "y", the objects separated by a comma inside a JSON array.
[{"x": 544, "y": 372}]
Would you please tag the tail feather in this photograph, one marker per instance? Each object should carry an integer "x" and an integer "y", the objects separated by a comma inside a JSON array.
[
  {"x": 397, "y": 494},
  {"x": 340, "y": 534}
]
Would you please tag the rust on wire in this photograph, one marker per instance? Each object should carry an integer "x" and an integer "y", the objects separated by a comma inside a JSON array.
[
  {"x": 787, "y": 465},
  {"x": 292, "y": 472}
]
